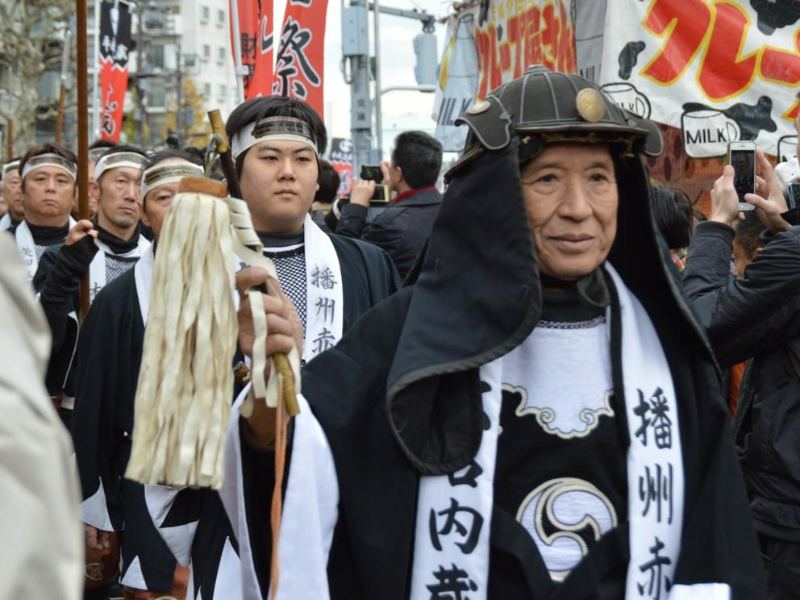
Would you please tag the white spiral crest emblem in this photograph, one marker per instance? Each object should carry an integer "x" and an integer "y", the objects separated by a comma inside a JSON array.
[{"x": 564, "y": 517}]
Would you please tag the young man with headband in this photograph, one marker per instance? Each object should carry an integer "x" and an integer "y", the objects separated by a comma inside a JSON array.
[
  {"x": 107, "y": 368},
  {"x": 48, "y": 177},
  {"x": 12, "y": 194},
  {"x": 106, "y": 248},
  {"x": 328, "y": 279},
  {"x": 331, "y": 280}
]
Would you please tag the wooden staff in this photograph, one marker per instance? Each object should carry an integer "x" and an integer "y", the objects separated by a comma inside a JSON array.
[
  {"x": 9, "y": 139},
  {"x": 83, "y": 134},
  {"x": 62, "y": 93}
]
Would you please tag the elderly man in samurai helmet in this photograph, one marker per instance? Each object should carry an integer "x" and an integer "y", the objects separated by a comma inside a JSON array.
[{"x": 538, "y": 415}]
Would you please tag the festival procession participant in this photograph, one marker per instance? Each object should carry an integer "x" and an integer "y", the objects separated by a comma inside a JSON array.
[
  {"x": 107, "y": 248},
  {"x": 537, "y": 416},
  {"x": 12, "y": 194},
  {"x": 276, "y": 143},
  {"x": 329, "y": 280},
  {"x": 108, "y": 357},
  {"x": 48, "y": 176}
]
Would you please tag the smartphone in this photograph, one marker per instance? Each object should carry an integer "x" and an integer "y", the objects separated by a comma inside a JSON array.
[
  {"x": 794, "y": 195},
  {"x": 742, "y": 157},
  {"x": 374, "y": 173}
]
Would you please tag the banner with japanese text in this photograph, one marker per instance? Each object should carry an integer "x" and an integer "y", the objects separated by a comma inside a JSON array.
[
  {"x": 115, "y": 43},
  {"x": 458, "y": 80},
  {"x": 718, "y": 70},
  {"x": 511, "y": 35},
  {"x": 255, "y": 43},
  {"x": 300, "y": 58}
]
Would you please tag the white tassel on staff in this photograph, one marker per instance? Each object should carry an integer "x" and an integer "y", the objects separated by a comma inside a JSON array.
[{"x": 186, "y": 379}]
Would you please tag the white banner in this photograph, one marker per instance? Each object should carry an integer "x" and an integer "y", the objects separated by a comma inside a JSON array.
[
  {"x": 458, "y": 80},
  {"x": 719, "y": 70}
]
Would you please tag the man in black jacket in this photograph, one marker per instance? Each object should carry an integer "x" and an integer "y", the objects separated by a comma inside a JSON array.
[
  {"x": 756, "y": 317},
  {"x": 404, "y": 226}
]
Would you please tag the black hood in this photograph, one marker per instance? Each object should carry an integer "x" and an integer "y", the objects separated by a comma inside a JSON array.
[{"x": 477, "y": 295}]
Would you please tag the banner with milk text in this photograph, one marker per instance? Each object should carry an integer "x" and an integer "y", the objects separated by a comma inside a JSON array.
[{"x": 719, "y": 70}]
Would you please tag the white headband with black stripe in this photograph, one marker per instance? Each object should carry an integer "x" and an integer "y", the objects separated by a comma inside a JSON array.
[
  {"x": 50, "y": 160},
  {"x": 161, "y": 174},
  {"x": 273, "y": 128},
  {"x": 10, "y": 167},
  {"x": 133, "y": 160}
]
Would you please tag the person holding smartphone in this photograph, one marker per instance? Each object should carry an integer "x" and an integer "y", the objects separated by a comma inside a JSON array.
[
  {"x": 402, "y": 228},
  {"x": 756, "y": 317}
]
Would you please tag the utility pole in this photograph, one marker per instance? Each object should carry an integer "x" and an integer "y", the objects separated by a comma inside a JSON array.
[
  {"x": 355, "y": 49},
  {"x": 362, "y": 70}
]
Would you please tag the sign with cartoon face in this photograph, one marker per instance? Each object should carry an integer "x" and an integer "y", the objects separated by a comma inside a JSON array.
[{"x": 721, "y": 70}]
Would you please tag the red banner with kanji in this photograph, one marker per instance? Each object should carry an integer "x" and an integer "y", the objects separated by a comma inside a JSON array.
[
  {"x": 300, "y": 59},
  {"x": 115, "y": 42},
  {"x": 255, "y": 44}
]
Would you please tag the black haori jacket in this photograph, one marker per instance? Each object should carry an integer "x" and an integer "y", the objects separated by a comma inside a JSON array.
[{"x": 399, "y": 396}]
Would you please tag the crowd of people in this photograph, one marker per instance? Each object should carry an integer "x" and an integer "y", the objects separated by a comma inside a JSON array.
[{"x": 557, "y": 379}]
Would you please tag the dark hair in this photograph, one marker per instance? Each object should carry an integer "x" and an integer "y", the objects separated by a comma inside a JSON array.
[
  {"x": 419, "y": 157},
  {"x": 275, "y": 106},
  {"x": 748, "y": 234},
  {"x": 102, "y": 144},
  {"x": 328, "y": 183},
  {"x": 197, "y": 153},
  {"x": 156, "y": 158},
  {"x": 119, "y": 149},
  {"x": 672, "y": 212}
]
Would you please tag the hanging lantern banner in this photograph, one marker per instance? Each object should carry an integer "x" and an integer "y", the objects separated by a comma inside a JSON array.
[
  {"x": 115, "y": 43},
  {"x": 511, "y": 36},
  {"x": 458, "y": 80},
  {"x": 720, "y": 70},
  {"x": 255, "y": 43},
  {"x": 300, "y": 59}
]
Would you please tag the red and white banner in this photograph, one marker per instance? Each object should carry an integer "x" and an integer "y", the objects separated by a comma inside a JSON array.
[
  {"x": 511, "y": 36},
  {"x": 300, "y": 58},
  {"x": 720, "y": 70},
  {"x": 115, "y": 43},
  {"x": 255, "y": 43}
]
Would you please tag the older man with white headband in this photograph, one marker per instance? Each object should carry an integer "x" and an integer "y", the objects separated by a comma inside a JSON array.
[
  {"x": 107, "y": 367},
  {"x": 49, "y": 181},
  {"x": 106, "y": 248},
  {"x": 12, "y": 194}
]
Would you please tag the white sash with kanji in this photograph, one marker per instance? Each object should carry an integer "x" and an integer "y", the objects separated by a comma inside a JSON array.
[
  {"x": 27, "y": 247},
  {"x": 324, "y": 296},
  {"x": 454, "y": 511}
]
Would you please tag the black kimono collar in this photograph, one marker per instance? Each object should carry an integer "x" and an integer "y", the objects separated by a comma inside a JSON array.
[
  {"x": 117, "y": 244},
  {"x": 47, "y": 236}
]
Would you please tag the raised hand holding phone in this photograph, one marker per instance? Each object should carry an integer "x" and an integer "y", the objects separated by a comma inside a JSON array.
[{"x": 770, "y": 203}]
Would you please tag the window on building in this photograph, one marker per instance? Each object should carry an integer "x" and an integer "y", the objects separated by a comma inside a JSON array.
[
  {"x": 207, "y": 90},
  {"x": 223, "y": 91},
  {"x": 206, "y": 52},
  {"x": 155, "y": 56},
  {"x": 220, "y": 18},
  {"x": 205, "y": 14},
  {"x": 156, "y": 96},
  {"x": 221, "y": 55}
]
